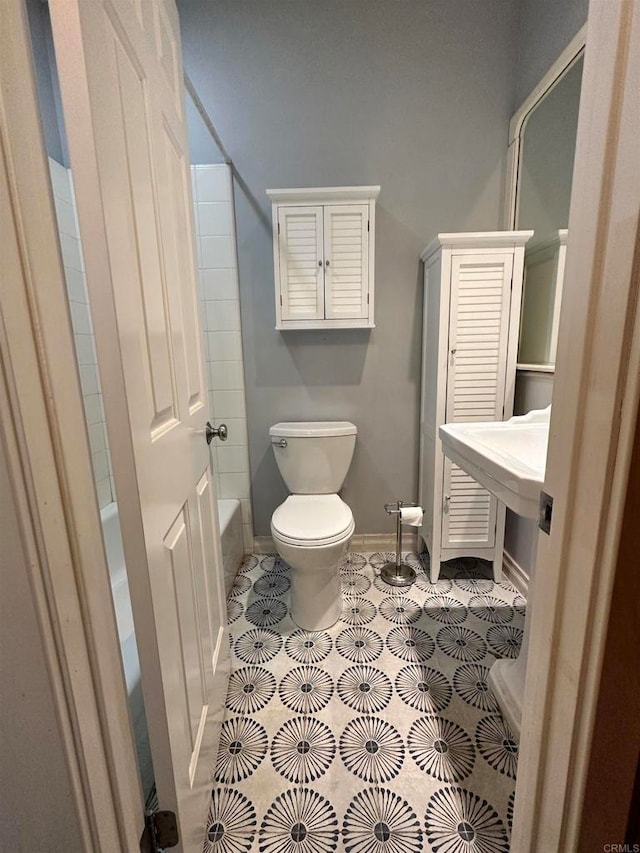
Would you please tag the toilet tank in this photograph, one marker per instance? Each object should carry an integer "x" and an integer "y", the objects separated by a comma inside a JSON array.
[{"x": 313, "y": 456}]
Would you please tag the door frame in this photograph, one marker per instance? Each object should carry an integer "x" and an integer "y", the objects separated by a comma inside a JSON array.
[
  {"x": 594, "y": 413},
  {"x": 45, "y": 434}
]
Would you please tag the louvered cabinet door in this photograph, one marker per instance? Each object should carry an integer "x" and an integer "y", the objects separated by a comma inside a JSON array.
[
  {"x": 300, "y": 247},
  {"x": 346, "y": 252},
  {"x": 478, "y": 340}
]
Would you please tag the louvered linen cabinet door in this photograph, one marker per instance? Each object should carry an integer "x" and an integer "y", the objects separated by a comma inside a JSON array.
[
  {"x": 301, "y": 258},
  {"x": 479, "y": 324},
  {"x": 346, "y": 253}
]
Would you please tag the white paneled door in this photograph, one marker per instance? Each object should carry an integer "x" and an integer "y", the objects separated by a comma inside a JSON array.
[{"x": 120, "y": 69}]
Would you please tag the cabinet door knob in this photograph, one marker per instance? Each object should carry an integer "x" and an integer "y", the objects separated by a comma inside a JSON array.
[
  {"x": 326, "y": 263},
  {"x": 319, "y": 263}
]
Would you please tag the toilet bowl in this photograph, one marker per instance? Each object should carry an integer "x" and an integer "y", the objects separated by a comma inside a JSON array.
[{"x": 313, "y": 527}]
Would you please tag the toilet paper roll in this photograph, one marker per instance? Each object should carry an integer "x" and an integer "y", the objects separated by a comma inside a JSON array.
[{"x": 411, "y": 515}]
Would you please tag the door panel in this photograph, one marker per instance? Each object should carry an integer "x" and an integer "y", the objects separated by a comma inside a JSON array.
[
  {"x": 346, "y": 252},
  {"x": 301, "y": 263},
  {"x": 120, "y": 75},
  {"x": 478, "y": 339}
]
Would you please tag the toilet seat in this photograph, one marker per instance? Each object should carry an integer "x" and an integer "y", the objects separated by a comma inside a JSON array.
[{"x": 312, "y": 520}]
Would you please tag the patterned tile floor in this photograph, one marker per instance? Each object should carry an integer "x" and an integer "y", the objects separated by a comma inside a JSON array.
[{"x": 379, "y": 735}]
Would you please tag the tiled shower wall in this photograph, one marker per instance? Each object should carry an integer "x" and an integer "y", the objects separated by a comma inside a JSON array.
[
  {"x": 73, "y": 263},
  {"x": 220, "y": 302}
]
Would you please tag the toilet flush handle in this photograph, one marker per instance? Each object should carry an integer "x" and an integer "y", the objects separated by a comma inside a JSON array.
[{"x": 282, "y": 442}]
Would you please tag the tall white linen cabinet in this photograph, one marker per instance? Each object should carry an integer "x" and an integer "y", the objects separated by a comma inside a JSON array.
[{"x": 472, "y": 296}]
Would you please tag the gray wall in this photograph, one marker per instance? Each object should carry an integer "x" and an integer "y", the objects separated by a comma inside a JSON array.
[
  {"x": 413, "y": 96},
  {"x": 546, "y": 28},
  {"x": 47, "y": 81}
]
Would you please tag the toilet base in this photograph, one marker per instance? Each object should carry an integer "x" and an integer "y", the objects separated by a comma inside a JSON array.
[
  {"x": 316, "y": 602},
  {"x": 316, "y": 589}
]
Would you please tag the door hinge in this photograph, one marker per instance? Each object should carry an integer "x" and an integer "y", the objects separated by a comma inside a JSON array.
[
  {"x": 278, "y": 227},
  {"x": 367, "y": 298},
  {"x": 368, "y": 224},
  {"x": 546, "y": 512},
  {"x": 281, "y": 299},
  {"x": 160, "y": 832}
]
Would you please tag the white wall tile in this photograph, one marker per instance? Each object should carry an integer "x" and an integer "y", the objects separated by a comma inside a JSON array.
[
  {"x": 80, "y": 318},
  {"x": 247, "y": 532},
  {"x": 85, "y": 349},
  {"x": 217, "y": 252},
  {"x": 237, "y": 430},
  {"x": 230, "y": 404},
  {"x": 89, "y": 379},
  {"x": 220, "y": 313},
  {"x": 245, "y": 506},
  {"x": 231, "y": 460},
  {"x": 76, "y": 286},
  {"x": 97, "y": 437},
  {"x": 224, "y": 346},
  {"x": 219, "y": 284},
  {"x": 100, "y": 465},
  {"x": 222, "y": 316},
  {"x": 226, "y": 376},
  {"x": 211, "y": 413},
  {"x": 234, "y": 485},
  {"x": 103, "y": 490},
  {"x": 71, "y": 250},
  {"x": 66, "y": 217},
  {"x": 93, "y": 409},
  {"x": 213, "y": 183},
  {"x": 214, "y": 219},
  {"x": 60, "y": 182},
  {"x": 71, "y": 254}
]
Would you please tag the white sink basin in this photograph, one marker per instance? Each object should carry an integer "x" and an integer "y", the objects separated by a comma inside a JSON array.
[{"x": 507, "y": 457}]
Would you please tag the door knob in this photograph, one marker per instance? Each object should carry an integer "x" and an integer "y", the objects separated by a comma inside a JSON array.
[{"x": 212, "y": 432}]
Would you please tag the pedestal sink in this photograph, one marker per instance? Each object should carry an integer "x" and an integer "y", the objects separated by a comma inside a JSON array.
[{"x": 509, "y": 459}]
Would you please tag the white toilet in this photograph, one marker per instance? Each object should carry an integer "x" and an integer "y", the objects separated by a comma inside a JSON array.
[{"x": 313, "y": 527}]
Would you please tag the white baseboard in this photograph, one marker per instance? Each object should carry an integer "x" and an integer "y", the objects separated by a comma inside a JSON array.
[
  {"x": 515, "y": 573},
  {"x": 365, "y": 542}
]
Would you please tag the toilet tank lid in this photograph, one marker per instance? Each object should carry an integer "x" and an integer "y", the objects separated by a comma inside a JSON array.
[{"x": 311, "y": 429}]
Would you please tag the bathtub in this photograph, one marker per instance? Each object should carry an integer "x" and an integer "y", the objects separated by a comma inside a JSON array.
[
  {"x": 230, "y": 515},
  {"x": 128, "y": 646}
]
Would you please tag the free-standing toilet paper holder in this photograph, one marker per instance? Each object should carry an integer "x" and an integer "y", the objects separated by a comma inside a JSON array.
[{"x": 398, "y": 573}]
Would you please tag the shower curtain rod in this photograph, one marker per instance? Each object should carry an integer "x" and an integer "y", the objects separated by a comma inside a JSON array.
[{"x": 204, "y": 115}]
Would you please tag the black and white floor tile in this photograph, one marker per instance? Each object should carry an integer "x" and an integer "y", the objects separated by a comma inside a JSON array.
[{"x": 378, "y": 735}]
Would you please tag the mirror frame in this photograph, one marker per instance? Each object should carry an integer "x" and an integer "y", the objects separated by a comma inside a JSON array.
[{"x": 569, "y": 56}]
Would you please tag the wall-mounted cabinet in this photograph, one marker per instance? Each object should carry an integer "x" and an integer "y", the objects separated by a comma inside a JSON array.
[
  {"x": 472, "y": 292},
  {"x": 323, "y": 257}
]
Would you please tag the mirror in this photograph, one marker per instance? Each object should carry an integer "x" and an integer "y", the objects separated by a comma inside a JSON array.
[{"x": 543, "y": 192}]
